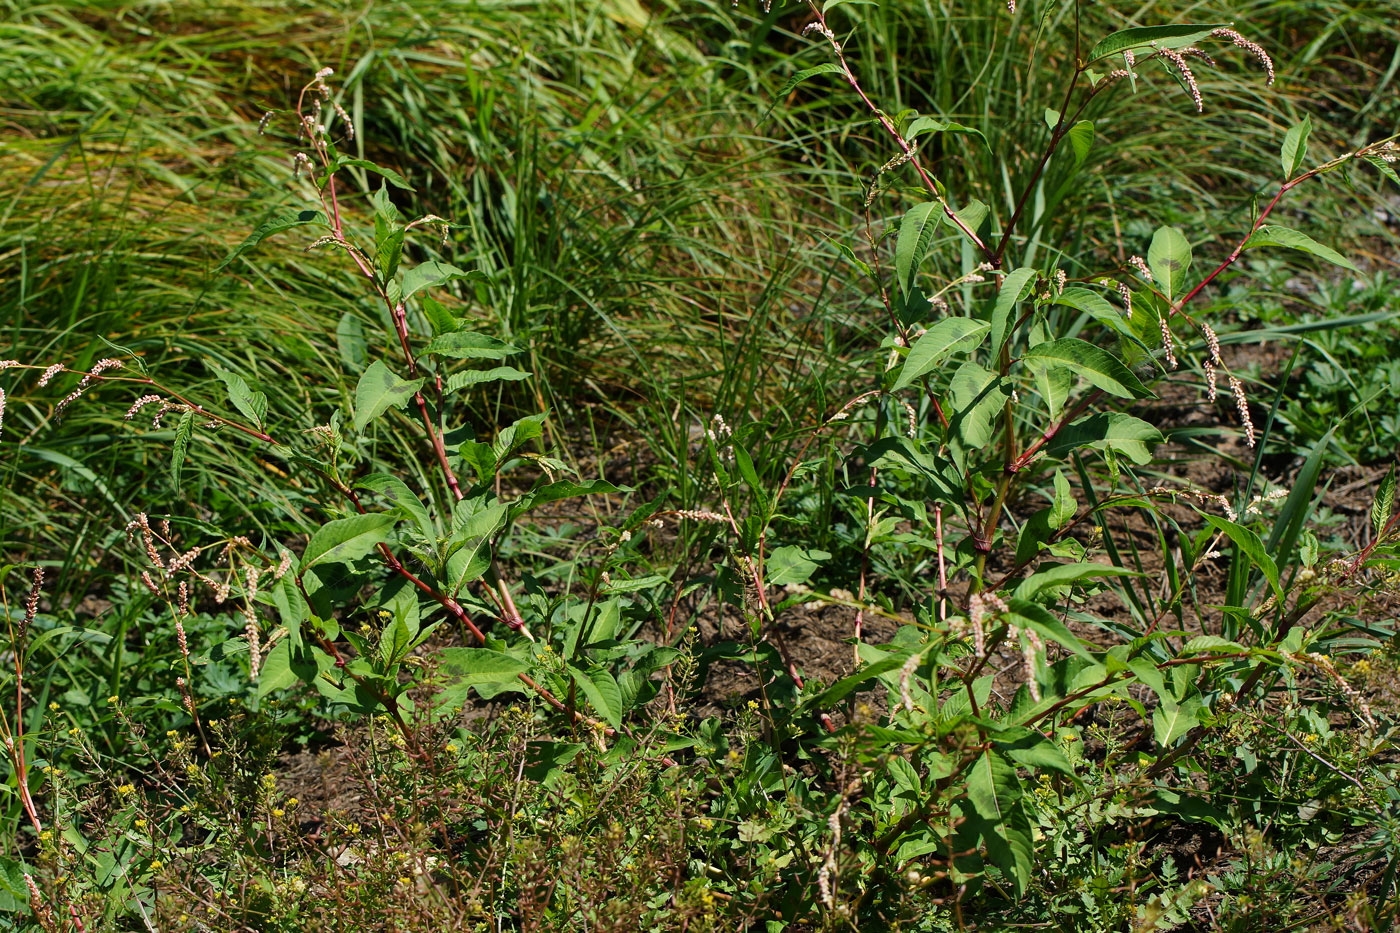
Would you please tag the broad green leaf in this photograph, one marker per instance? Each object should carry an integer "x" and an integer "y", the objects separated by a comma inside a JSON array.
[
  {"x": 283, "y": 221},
  {"x": 470, "y": 667},
  {"x": 276, "y": 672},
  {"x": 1171, "y": 720},
  {"x": 1140, "y": 37},
  {"x": 1249, "y": 544},
  {"x": 923, "y": 125},
  {"x": 14, "y": 893},
  {"x": 1098, "y": 308},
  {"x": 1169, "y": 258},
  {"x": 1064, "y": 505},
  {"x": 394, "y": 641},
  {"x": 1384, "y": 504},
  {"x": 995, "y": 794},
  {"x": 465, "y": 345},
  {"x": 252, "y": 405},
  {"x": 380, "y": 389},
  {"x": 916, "y": 230},
  {"x": 1112, "y": 430},
  {"x": 1054, "y": 384},
  {"x": 398, "y": 493},
  {"x": 1274, "y": 235},
  {"x": 1384, "y": 168},
  {"x": 1013, "y": 290},
  {"x": 1039, "y": 754},
  {"x": 1081, "y": 140},
  {"x": 1295, "y": 147},
  {"x": 430, "y": 274},
  {"x": 1096, "y": 366},
  {"x": 825, "y": 68},
  {"x": 948, "y": 336},
  {"x": 976, "y": 396},
  {"x": 1209, "y": 643},
  {"x": 474, "y": 377},
  {"x": 1027, "y": 614},
  {"x": 971, "y": 215},
  {"x": 564, "y": 489},
  {"x": 388, "y": 174},
  {"x": 388, "y": 249},
  {"x": 1066, "y": 574},
  {"x": 183, "y": 430},
  {"x": 346, "y": 539},
  {"x": 792, "y": 564},
  {"x": 839, "y": 690},
  {"x": 602, "y": 692}
]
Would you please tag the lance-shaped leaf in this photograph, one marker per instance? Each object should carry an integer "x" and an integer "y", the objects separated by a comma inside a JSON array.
[
  {"x": 465, "y": 345},
  {"x": 379, "y": 389},
  {"x": 950, "y": 335},
  {"x": 1274, "y": 235},
  {"x": 1111, "y": 430},
  {"x": 1295, "y": 147},
  {"x": 431, "y": 274},
  {"x": 1096, "y": 366},
  {"x": 1169, "y": 258},
  {"x": 1250, "y": 546},
  {"x": 825, "y": 68},
  {"x": 283, "y": 221},
  {"x": 1139, "y": 37},
  {"x": 1013, "y": 290},
  {"x": 916, "y": 230},
  {"x": 1384, "y": 505},
  {"x": 348, "y": 538}
]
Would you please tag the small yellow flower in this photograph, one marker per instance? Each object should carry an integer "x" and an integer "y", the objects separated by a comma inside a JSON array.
[
  {"x": 292, "y": 801},
  {"x": 75, "y": 732},
  {"x": 170, "y": 733},
  {"x": 126, "y": 790},
  {"x": 405, "y": 881},
  {"x": 45, "y": 836},
  {"x": 352, "y": 828},
  {"x": 53, "y": 707},
  {"x": 185, "y": 808},
  {"x": 113, "y": 700},
  {"x": 278, "y": 812},
  {"x": 140, "y": 824},
  {"x": 157, "y": 865},
  {"x": 451, "y": 748}
]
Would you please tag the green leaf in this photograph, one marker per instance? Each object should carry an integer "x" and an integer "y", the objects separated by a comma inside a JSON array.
[
  {"x": 468, "y": 667},
  {"x": 14, "y": 893},
  {"x": 183, "y": 430},
  {"x": 1249, "y": 544},
  {"x": 389, "y": 175},
  {"x": 1038, "y": 753},
  {"x": 950, "y": 335},
  {"x": 1295, "y": 147},
  {"x": 465, "y": 345},
  {"x": 1066, "y": 574},
  {"x": 252, "y": 405},
  {"x": 403, "y": 498},
  {"x": 564, "y": 489},
  {"x": 393, "y": 641},
  {"x": 379, "y": 389},
  {"x": 1169, "y": 258},
  {"x": 976, "y": 397},
  {"x": 1098, "y": 308},
  {"x": 602, "y": 692},
  {"x": 916, "y": 230},
  {"x": 825, "y": 68},
  {"x": 1097, "y": 366},
  {"x": 1169, "y": 37},
  {"x": 1064, "y": 505},
  {"x": 474, "y": 377},
  {"x": 1384, "y": 505},
  {"x": 1054, "y": 384},
  {"x": 346, "y": 539},
  {"x": 923, "y": 125},
  {"x": 431, "y": 274},
  {"x": 1013, "y": 290},
  {"x": 1113, "y": 430},
  {"x": 995, "y": 794},
  {"x": 792, "y": 564},
  {"x": 1027, "y": 614},
  {"x": 1081, "y": 140},
  {"x": 276, "y": 672},
  {"x": 282, "y": 221},
  {"x": 1171, "y": 720},
  {"x": 1274, "y": 235},
  {"x": 839, "y": 690}
]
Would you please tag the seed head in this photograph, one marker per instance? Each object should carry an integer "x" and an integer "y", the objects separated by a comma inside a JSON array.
[
  {"x": 1187, "y": 75},
  {"x": 47, "y": 376},
  {"x": 1167, "y": 343},
  {"x": 1243, "y": 405},
  {"x": 1127, "y": 297},
  {"x": 1253, "y": 48},
  {"x": 1140, "y": 265},
  {"x": 1209, "y": 367}
]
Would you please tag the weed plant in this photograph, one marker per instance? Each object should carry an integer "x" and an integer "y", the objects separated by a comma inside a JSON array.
[{"x": 400, "y": 651}]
